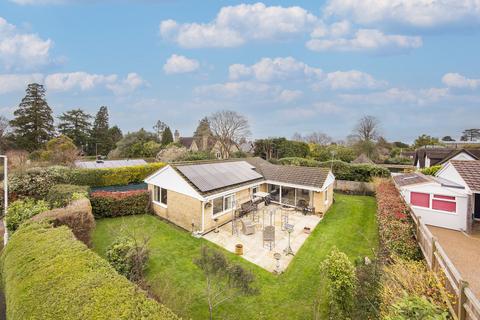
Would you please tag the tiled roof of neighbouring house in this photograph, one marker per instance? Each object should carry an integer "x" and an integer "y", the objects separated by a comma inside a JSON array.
[
  {"x": 363, "y": 159},
  {"x": 474, "y": 153},
  {"x": 469, "y": 171},
  {"x": 186, "y": 141},
  {"x": 410, "y": 179},
  {"x": 434, "y": 154}
]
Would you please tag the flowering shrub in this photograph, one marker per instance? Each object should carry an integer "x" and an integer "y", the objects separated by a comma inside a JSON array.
[
  {"x": 396, "y": 228},
  {"x": 114, "y": 204}
]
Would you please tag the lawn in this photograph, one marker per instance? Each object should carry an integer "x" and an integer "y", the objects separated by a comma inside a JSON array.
[{"x": 350, "y": 225}]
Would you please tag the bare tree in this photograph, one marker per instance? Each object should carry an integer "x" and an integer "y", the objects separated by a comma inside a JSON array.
[
  {"x": 298, "y": 137},
  {"x": 229, "y": 128},
  {"x": 319, "y": 138},
  {"x": 367, "y": 128}
]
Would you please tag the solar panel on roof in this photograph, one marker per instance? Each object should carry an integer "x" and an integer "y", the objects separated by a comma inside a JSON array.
[{"x": 211, "y": 176}]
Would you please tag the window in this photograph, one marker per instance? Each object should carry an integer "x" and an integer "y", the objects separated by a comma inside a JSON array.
[
  {"x": 444, "y": 203},
  {"x": 222, "y": 204},
  {"x": 288, "y": 196},
  {"x": 420, "y": 199},
  {"x": 303, "y": 197},
  {"x": 274, "y": 192},
  {"x": 254, "y": 190},
  {"x": 326, "y": 195},
  {"x": 160, "y": 195}
]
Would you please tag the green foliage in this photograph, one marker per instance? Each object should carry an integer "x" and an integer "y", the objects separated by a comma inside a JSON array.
[
  {"x": 280, "y": 148},
  {"x": 36, "y": 182},
  {"x": 425, "y": 140},
  {"x": 103, "y": 138},
  {"x": 75, "y": 124},
  {"x": 197, "y": 155},
  {"x": 22, "y": 210},
  {"x": 415, "y": 308},
  {"x": 61, "y": 278},
  {"x": 61, "y": 195},
  {"x": 341, "y": 284},
  {"x": 114, "y": 204},
  {"x": 60, "y": 150},
  {"x": 368, "y": 294},
  {"x": 325, "y": 153},
  {"x": 138, "y": 144},
  {"x": 128, "y": 257},
  {"x": 342, "y": 170},
  {"x": 33, "y": 122},
  {"x": 167, "y": 137},
  {"x": 431, "y": 171}
]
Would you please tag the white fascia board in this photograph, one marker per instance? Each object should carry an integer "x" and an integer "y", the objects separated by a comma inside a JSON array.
[
  {"x": 328, "y": 181},
  {"x": 442, "y": 169},
  {"x": 156, "y": 173},
  {"x": 449, "y": 172},
  {"x": 291, "y": 185},
  {"x": 436, "y": 189},
  {"x": 223, "y": 193},
  {"x": 168, "y": 178}
]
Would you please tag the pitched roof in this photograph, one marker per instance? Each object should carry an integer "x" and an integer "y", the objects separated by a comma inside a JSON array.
[
  {"x": 305, "y": 176},
  {"x": 409, "y": 179},
  {"x": 434, "y": 154},
  {"x": 474, "y": 153},
  {"x": 469, "y": 171},
  {"x": 363, "y": 159},
  {"x": 186, "y": 141}
]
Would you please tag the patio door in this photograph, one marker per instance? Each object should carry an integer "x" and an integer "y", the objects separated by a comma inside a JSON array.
[{"x": 476, "y": 212}]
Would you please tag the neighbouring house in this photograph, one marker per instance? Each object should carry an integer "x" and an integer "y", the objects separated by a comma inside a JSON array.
[
  {"x": 362, "y": 159},
  {"x": 197, "y": 196},
  {"x": 451, "y": 199},
  {"x": 428, "y": 157},
  {"x": 100, "y": 164},
  {"x": 206, "y": 143}
]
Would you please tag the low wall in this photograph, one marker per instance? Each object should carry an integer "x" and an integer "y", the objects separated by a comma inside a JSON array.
[{"x": 354, "y": 187}]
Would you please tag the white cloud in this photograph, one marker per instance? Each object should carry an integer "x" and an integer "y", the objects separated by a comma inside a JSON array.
[
  {"x": 365, "y": 40},
  {"x": 241, "y": 89},
  {"x": 288, "y": 96},
  {"x": 456, "y": 80},
  {"x": 17, "y": 82},
  {"x": 323, "y": 108},
  {"x": 274, "y": 69},
  {"x": 180, "y": 64},
  {"x": 84, "y": 81},
  {"x": 416, "y": 13},
  {"x": 290, "y": 69},
  {"x": 22, "y": 50},
  {"x": 419, "y": 97},
  {"x": 235, "y": 25},
  {"x": 353, "y": 79}
]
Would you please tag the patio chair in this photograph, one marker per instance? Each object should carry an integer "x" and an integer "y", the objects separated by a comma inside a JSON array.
[
  {"x": 248, "y": 227},
  {"x": 269, "y": 236}
]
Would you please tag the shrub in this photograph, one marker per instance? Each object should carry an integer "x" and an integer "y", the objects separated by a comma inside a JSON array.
[
  {"x": 412, "y": 278},
  {"x": 368, "y": 293},
  {"x": 415, "y": 308},
  {"x": 47, "y": 274},
  {"x": 195, "y": 156},
  {"x": 36, "y": 182},
  {"x": 431, "y": 171},
  {"x": 21, "y": 210},
  {"x": 128, "y": 257},
  {"x": 296, "y": 161},
  {"x": 396, "y": 227},
  {"x": 341, "y": 284},
  {"x": 113, "y": 176},
  {"x": 60, "y": 150},
  {"x": 77, "y": 216},
  {"x": 114, "y": 204},
  {"x": 61, "y": 195}
]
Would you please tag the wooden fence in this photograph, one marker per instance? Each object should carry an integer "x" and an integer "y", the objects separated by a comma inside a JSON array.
[{"x": 461, "y": 301}]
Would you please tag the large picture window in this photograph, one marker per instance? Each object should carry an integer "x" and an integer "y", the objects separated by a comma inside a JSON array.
[
  {"x": 160, "y": 195},
  {"x": 274, "y": 192},
  {"x": 223, "y": 204},
  {"x": 303, "y": 197},
  {"x": 288, "y": 196}
]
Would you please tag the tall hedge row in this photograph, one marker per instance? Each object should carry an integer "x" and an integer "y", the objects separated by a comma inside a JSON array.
[
  {"x": 114, "y": 204},
  {"x": 36, "y": 182},
  {"x": 48, "y": 274},
  {"x": 341, "y": 170}
]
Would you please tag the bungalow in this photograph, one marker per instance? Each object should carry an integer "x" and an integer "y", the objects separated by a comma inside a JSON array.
[
  {"x": 451, "y": 199},
  {"x": 198, "y": 196},
  {"x": 428, "y": 157}
]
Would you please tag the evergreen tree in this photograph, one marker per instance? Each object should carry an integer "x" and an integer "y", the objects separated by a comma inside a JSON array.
[
  {"x": 470, "y": 135},
  {"x": 115, "y": 135},
  {"x": 203, "y": 128},
  {"x": 100, "y": 142},
  {"x": 167, "y": 136},
  {"x": 33, "y": 123},
  {"x": 75, "y": 124}
]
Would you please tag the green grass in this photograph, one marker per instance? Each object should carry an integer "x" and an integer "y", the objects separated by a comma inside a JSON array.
[{"x": 350, "y": 225}]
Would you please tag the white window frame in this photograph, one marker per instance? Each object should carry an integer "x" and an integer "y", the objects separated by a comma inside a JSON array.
[
  {"x": 326, "y": 195},
  {"x": 224, "y": 211},
  {"x": 432, "y": 197},
  {"x": 159, "y": 201}
]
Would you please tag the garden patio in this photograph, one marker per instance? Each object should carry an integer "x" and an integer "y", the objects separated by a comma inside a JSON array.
[
  {"x": 350, "y": 225},
  {"x": 291, "y": 229}
]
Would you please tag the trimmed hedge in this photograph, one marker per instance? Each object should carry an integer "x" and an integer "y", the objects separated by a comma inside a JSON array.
[
  {"x": 77, "y": 216},
  {"x": 21, "y": 210},
  {"x": 396, "y": 227},
  {"x": 62, "y": 195},
  {"x": 114, "y": 204},
  {"x": 48, "y": 274},
  {"x": 36, "y": 182},
  {"x": 342, "y": 170}
]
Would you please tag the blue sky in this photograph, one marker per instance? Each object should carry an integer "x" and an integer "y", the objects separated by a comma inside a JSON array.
[{"x": 289, "y": 66}]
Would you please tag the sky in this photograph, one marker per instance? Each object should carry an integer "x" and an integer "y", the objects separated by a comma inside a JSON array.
[{"x": 288, "y": 66}]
